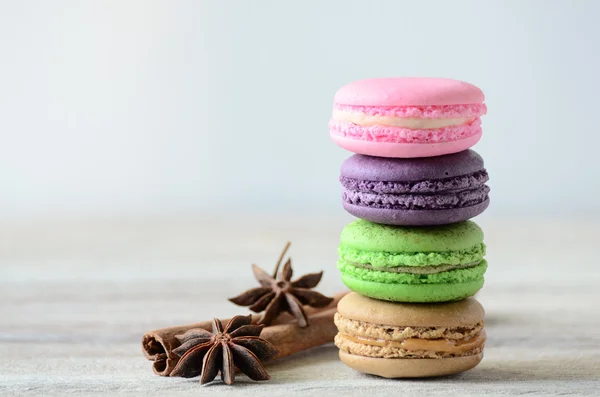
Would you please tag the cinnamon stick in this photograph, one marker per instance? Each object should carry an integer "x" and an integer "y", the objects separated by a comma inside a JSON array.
[
  {"x": 290, "y": 338},
  {"x": 284, "y": 333}
]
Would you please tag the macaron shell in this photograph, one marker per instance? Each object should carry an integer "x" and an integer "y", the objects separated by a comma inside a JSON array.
[
  {"x": 368, "y": 236},
  {"x": 416, "y": 217},
  {"x": 413, "y": 169},
  {"x": 410, "y": 368},
  {"x": 464, "y": 313},
  {"x": 419, "y": 293},
  {"x": 404, "y": 150},
  {"x": 408, "y": 91}
]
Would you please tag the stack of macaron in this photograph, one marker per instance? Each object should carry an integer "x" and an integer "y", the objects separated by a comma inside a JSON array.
[{"x": 413, "y": 259}]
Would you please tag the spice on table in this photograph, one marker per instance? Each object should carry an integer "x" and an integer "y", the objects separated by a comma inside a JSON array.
[
  {"x": 237, "y": 344},
  {"x": 278, "y": 294},
  {"x": 158, "y": 345}
]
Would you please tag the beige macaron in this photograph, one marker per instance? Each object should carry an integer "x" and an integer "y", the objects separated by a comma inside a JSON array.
[{"x": 409, "y": 340}]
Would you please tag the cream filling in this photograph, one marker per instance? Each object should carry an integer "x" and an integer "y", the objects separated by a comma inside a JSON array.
[
  {"x": 413, "y": 123},
  {"x": 433, "y": 345},
  {"x": 417, "y": 269}
]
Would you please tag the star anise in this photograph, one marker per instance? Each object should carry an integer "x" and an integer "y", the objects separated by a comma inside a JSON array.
[
  {"x": 238, "y": 345},
  {"x": 278, "y": 293}
]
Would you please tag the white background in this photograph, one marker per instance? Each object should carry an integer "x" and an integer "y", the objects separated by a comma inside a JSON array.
[{"x": 111, "y": 107}]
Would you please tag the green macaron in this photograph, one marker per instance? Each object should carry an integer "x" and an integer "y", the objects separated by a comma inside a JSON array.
[{"x": 412, "y": 264}]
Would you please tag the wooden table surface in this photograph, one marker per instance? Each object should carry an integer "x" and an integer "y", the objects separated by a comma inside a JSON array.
[{"x": 77, "y": 295}]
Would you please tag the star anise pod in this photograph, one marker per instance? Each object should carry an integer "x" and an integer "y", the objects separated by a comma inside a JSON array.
[
  {"x": 278, "y": 293},
  {"x": 237, "y": 344}
]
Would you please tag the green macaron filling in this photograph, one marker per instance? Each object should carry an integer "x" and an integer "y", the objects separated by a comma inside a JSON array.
[
  {"x": 460, "y": 275},
  {"x": 393, "y": 259}
]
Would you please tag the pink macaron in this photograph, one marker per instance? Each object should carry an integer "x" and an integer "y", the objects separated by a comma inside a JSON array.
[{"x": 407, "y": 116}]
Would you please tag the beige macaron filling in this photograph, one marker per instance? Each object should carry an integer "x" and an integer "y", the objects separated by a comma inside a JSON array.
[
  {"x": 381, "y": 341},
  {"x": 418, "y": 269},
  {"x": 415, "y": 123}
]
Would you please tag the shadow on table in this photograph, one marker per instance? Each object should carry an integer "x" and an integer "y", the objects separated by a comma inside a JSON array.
[
  {"x": 318, "y": 355},
  {"x": 535, "y": 370},
  {"x": 497, "y": 371}
]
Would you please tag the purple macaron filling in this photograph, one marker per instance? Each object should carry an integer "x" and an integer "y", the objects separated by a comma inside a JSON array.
[
  {"x": 446, "y": 200},
  {"x": 456, "y": 192}
]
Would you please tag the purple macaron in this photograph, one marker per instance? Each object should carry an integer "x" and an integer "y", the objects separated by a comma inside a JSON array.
[{"x": 415, "y": 191}]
